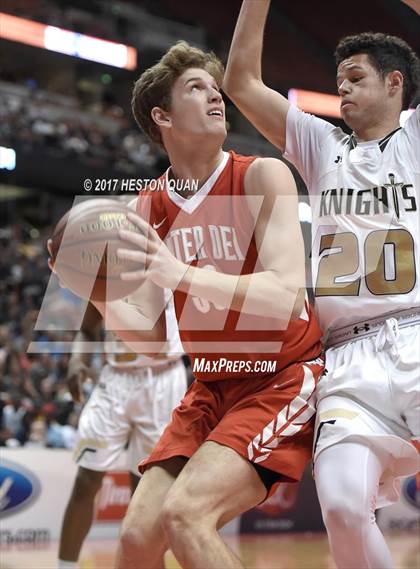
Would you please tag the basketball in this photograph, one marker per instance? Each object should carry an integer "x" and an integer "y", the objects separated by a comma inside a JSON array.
[{"x": 84, "y": 250}]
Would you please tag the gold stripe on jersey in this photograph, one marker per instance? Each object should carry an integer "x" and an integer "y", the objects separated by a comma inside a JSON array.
[{"x": 338, "y": 413}]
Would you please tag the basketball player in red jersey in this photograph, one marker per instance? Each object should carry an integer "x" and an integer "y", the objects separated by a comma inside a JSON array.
[{"x": 232, "y": 251}]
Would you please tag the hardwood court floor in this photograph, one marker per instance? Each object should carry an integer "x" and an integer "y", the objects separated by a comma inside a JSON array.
[{"x": 292, "y": 551}]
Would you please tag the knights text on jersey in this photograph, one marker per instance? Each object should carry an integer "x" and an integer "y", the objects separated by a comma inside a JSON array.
[{"x": 365, "y": 217}]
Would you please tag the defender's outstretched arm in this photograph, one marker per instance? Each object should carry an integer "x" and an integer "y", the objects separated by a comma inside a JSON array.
[{"x": 264, "y": 107}]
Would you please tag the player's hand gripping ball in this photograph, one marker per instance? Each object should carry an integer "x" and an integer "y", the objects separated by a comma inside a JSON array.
[{"x": 83, "y": 251}]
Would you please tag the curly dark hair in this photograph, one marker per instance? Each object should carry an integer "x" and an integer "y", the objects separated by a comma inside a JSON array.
[{"x": 386, "y": 53}]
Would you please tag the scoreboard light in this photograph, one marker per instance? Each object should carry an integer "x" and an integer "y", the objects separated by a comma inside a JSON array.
[
  {"x": 65, "y": 41},
  {"x": 316, "y": 103},
  {"x": 7, "y": 158}
]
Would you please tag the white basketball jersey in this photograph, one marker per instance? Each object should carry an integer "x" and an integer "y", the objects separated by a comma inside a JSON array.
[
  {"x": 365, "y": 200},
  {"x": 119, "y": 355}
]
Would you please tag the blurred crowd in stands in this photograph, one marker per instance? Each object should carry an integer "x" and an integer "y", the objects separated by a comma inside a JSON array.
[
  {"x": 30, "y": 122},
  {"x": 35, "y": 405},
  {"x": 83, "y": 124},
  {"x": 68, "y": 15}
]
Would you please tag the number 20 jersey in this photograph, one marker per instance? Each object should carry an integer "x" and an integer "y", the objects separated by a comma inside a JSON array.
[{"x": 365, "y": 217}]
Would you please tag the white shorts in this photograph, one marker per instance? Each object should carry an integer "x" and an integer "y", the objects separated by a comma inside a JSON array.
[
  {"x": 128, "y": 407},
  {"x": 371, "y": 392}
]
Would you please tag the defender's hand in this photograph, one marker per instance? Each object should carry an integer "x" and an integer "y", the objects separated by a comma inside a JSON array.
[{"x": 78, "y": 373}]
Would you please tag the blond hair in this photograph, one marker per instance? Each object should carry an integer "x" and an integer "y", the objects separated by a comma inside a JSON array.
[{"x": 154, "y": 86}]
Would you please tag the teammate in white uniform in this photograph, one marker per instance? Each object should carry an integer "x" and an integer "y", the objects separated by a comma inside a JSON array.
[
  {"x": 131, "y": 404},
  {"x": 365, "y": 197}
]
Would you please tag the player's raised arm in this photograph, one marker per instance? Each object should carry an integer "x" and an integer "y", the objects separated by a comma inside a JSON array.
[{"x": 264, "y": 107}]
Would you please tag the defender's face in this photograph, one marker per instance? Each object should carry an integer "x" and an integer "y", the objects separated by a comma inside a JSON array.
[
  {"x": 197, "y": 107},
  {"x": 362, "y": 91}
]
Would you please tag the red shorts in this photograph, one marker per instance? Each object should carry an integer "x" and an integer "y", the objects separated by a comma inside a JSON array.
[{"x": 268, "y": 420}]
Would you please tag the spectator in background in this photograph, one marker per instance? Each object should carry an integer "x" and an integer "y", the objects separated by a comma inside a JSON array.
[
  {"x": 34, "y": 399},
  {"x": 12, "y": 420},
  {"x": 29, "y": 123}
]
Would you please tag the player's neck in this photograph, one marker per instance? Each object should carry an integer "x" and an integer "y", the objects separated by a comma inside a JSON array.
[
  {"x": 376, "y": 131},
  {"x": 195, "y": 165}
]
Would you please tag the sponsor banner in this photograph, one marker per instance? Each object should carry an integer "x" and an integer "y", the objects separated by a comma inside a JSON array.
[
  {"x": 405, "y": 514},
  {"x": 35, "y": 485},
  {"x": 19, "y": 487},
  {"x": 113, "y": 498},
  {"x": 34, "y": 488},
  {"x": 293, "y": 507}
]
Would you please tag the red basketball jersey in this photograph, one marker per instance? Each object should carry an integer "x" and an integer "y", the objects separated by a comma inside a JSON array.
[{"x": 214, "y": 229}]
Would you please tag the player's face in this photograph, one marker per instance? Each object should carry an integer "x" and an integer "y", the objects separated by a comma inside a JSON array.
[
  {"x": 362, "y": 92},
  {"x": 197, "y": 106}
]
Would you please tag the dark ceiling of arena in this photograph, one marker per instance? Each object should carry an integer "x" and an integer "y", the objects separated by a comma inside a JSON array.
[
  {"x": 300, "y": 37},
  {"x": 301, "y": 34}
]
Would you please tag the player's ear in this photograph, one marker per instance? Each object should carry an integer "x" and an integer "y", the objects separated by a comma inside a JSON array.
[
  {"x": 161, "y": 117},
  {"x": 395, "y": 81}
]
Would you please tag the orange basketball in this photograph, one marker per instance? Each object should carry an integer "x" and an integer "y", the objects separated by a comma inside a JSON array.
[{"x": 84, "y": 250}]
